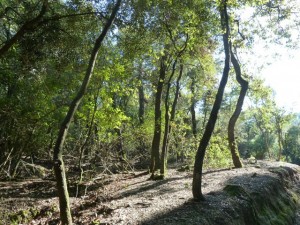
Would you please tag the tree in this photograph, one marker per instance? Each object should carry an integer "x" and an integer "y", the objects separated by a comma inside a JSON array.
[
  {"x": 155, "y": 159},
  {"x": 292, "y": 145},
  {"x": 169, "y": 117},
  {"x": 193, "y": 105},
  {"x": 59, "y": 167},
  {"x": 238, "y": 108},
  {"x": 198, "y": 165}
]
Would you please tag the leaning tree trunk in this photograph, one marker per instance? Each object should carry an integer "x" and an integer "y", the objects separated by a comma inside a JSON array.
[
  {"x": 238, "y": 109},
  {"x": 59, "y": 168},
  {"x": 198, "y": 165},
  {"x": 155, "y": 161}
]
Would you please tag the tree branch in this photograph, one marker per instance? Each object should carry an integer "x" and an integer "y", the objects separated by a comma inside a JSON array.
[{"x": 28, "y": 25}]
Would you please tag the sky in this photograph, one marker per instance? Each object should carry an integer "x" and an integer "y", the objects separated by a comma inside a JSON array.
[
  {"x": 283, "y": 76},
  {"x": 281, "y": 73}
]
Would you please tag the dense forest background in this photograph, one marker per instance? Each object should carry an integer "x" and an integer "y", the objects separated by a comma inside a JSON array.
[{"x": 152, "y": 88}]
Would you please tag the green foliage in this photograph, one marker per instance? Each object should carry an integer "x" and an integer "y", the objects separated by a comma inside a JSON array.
[
  {"x": 218, "y": 154},
  {"x": 26, "y": 216},
  {"x": 42, "y": 71},
  {"x": 292, "y": 145}
]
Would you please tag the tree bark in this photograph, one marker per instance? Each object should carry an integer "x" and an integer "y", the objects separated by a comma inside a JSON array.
[
  {"x": 279, "y": 135},
  {"x": 59, "y": 168},
  {"x": 141, "y": 94},
  {"x": 238, "y": 109},
  {"x": 119, "y": 142},
  {"x": 193, "y": 105},
  {"x": 155, "y": 161},
  {"x": 163, "y": 164},
  {"x": 141, "y": 98},
  {"x": 198, "y": 165},
  {"x": 173, "y": 110},
  {"x": 280, "y": 143}
]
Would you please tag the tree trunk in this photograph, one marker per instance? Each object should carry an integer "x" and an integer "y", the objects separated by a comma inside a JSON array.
[
  {"x": 141, "y": 98},
  {"x": 198, "y": 165},
  {"x": 155, "y": 161},
  {"x": 280, "y": 143},
  {"x": 205, "y": 109},
  {"x": 59, "y": 168},
  {"x": 119, "y": 145},
  {"x": 120, "y": 148},
  {"x": 279, "y": 136},
  {"x": 163, "y": 164},
  {"x": 193, "y": 105},
  {"x": 238, "y": 108}
]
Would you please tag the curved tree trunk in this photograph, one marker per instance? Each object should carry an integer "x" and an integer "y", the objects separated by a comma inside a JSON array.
[
  {"x": 238, "y": 109},
  {"x": 59, "y": 168},
  {"x": 198, "y": 165},
  {"x": 205, "y": 109}
]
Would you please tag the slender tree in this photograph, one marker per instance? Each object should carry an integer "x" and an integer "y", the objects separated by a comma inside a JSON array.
[
  {"x": 238, "y": 109},
  {"x": 141, "y": 99},
  {"x": 169, "y": 118},
  {"x": 193, "y": 106},
  {"x": 167, "y": 122},
  {"x": 198, "y": 165},
  {"x": 59, "y": 168},
  {"x": 155, "y": 159}
]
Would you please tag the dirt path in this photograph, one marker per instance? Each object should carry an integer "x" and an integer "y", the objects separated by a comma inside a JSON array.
[{"x": 123, "y": 199}]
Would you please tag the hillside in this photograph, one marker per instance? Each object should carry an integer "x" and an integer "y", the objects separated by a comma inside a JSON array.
[{"x": 263, "y": 193}]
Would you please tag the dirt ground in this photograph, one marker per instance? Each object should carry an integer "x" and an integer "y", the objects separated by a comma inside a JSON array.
[{"x": 120, "y": 198}]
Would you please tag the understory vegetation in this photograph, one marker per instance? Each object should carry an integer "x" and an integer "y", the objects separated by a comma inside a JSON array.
[{"x": 115, "y": 86}]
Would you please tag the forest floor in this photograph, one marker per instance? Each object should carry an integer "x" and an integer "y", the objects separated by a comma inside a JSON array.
[{"x": 120, "y": 198}]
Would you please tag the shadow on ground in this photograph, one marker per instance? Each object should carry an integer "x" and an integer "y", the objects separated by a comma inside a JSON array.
[{"x": 252, "y": 199}]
